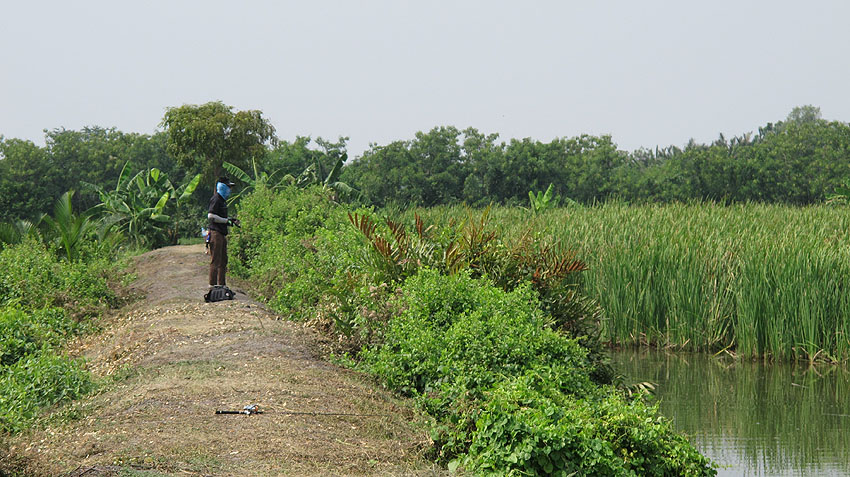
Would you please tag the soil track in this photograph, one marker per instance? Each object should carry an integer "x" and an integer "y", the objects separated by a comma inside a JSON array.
[{"x": 171, "y": 360}]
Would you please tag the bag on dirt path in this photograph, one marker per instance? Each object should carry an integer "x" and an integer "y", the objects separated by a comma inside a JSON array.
[{"x": 218, "y": 293}]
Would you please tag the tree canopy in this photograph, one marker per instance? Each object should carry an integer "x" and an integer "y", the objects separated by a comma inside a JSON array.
[{"x": 202, "y": 137}]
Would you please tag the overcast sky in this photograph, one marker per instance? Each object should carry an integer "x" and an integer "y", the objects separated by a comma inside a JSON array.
[{"x": 646, "y": 72}]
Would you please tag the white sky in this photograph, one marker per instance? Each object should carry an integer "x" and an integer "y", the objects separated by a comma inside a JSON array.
[{"x": 647, "y": 72}]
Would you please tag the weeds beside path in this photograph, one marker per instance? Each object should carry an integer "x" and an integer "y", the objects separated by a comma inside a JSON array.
[{"x": 174, "y": 360}]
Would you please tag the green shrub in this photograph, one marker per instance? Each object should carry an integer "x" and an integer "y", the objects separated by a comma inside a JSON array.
[
  {"x": 38, "y": 380},
  {"x": 295, "y": 247},
  {"x": 24, "y": 333},
  {"x": 84, "y": 288},
  {"x": 528, "y": 428},
  {"x": 33, "y": 277},
  {"x": 512, "y": 396},
  {"x": 44, "y": 300},
  {"x": 459, "y": 328},
  {"x": 394, "y": 252},
  {"x": 28, "y": 275},
  {"x": 268, "y": 215}
]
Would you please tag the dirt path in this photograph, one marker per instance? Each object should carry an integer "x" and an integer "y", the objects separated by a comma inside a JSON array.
[{"x": 174, "y": 360}]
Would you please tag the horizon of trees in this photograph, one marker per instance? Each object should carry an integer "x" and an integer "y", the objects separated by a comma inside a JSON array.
[{"x": 799, "y": 160}]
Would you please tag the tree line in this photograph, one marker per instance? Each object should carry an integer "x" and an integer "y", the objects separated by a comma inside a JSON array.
[{"x": 799, "y": 160}]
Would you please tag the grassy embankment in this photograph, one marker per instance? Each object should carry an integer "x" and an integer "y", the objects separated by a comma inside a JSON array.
[
  {"x": 759, "y": 281},
  {"x": 493, "y": 337},
  {"x": 45, "y": 301}
]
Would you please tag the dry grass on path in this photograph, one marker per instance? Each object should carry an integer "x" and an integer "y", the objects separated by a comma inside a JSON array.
[{"x": 174, "y": 360}]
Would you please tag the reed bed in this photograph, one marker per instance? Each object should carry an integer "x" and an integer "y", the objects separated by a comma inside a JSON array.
[{"x": 758, "y": 281}]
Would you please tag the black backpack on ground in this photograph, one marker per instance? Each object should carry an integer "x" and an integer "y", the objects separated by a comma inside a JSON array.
[{"x": 218, "y": 293}]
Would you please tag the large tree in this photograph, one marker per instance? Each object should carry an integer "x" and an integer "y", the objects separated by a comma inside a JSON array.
[
  {"x": 202, "y": 137},
  {"x": 26, "y": 189}
]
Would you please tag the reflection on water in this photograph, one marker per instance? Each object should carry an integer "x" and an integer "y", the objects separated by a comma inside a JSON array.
[{"x": 752, "y": 419}]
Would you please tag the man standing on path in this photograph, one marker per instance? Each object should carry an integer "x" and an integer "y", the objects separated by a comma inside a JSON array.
[{"x": 219, "y": 222}]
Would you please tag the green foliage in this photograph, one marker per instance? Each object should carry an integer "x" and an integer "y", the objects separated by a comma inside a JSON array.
[
  {"x": 38, "y": 380},
  {"x": 259, "y": 179},
  {"x": 472, "y": 244},
  {"x": 26, "y": 188},
  {"x": 69, "y": 230},
  {"x": 456, "y": 327},
  {"x": 304, "y": 167},
  {"x": 284, "y": 245},
  {"x": 797, "y": 161},
  {"x": 23, "y": 333},
  {"x": 542, "y": 201},
  {"x": 32, "y": 276},
  {"x": 841, "y": 195},
  {"x": 44, "y": 301},
  {"x": 757, "y": 280},
  {"x": 32, "y": 177},
  {"x": 448, "y": 336},
  {"x": 426, "y": 170},
  {"x": 804, "y": 114},
  {"x": 205, "y": 136},
  {"x": 529, "y": 428},
  {"x": 513, "y": 397},
  {"x": 140, "y": 205},
  {"x": 17, "y": 232},
  {"x": 446, "y": 165}
]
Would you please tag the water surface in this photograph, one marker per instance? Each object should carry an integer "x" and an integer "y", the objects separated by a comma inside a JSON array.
[{"x": 752, "y": 419}]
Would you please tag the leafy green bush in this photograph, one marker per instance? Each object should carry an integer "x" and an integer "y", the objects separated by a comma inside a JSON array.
[
  {"x": 38, "y": 380},
  {"x": 294, "y": 246},
  {"x": 459, "y": 328},
  {"x": 474, "y": 244},
  {"x": 85, "y": 285},
  {"x": 27, "y": 271},
  {"x": 529, "y": 428},
  {"x": 44, "y": 300},
  {"x": 24, "y": 333},
  {"x": 33, "y": 277},
  {"x": 267, "y": 215},
  {"x": 511, "y": 395}
]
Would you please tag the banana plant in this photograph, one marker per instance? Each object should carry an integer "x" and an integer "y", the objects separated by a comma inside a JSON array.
[
  {"x": 542, "y": 201},
  {"x": 841, "y": 195},
  {"x": 310, "y": 176},
  {"x": 260, "y": 179},
  {"x": 137, "y": 206}
]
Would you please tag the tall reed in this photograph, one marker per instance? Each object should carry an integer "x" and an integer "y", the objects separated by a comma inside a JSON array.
[{"x": 758, "y": 280}]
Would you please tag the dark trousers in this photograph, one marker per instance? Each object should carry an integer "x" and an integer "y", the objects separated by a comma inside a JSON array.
[{"x": 218, "y": 252}]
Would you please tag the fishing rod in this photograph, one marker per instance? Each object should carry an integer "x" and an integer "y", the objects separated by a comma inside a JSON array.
[{"x": 252, "y": 409}]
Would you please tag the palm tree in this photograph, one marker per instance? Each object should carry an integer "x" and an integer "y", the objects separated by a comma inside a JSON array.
[
  {"x": 69, "y": 230},
  {"x": 16, "y": 232}
]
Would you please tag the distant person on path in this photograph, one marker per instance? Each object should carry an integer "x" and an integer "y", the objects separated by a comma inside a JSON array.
[
  {"x": 205, "y": 233},
  {"x": 219, "y": 221}
]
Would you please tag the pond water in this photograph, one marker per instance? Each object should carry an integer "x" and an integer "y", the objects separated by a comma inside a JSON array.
[{"x": 752, "y": 419}]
